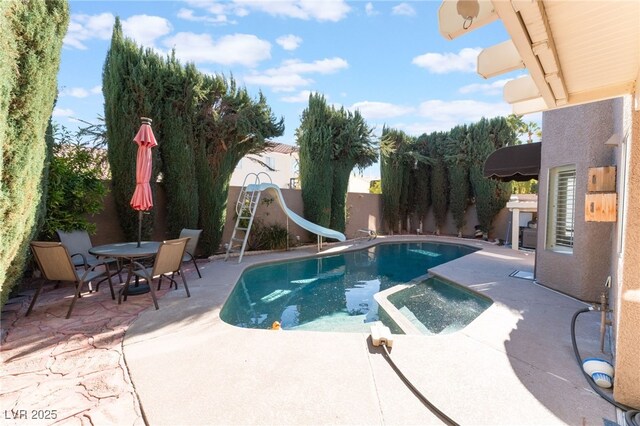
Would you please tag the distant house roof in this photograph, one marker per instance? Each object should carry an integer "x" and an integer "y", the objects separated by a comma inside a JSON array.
[{"x": 282, "y": 148}]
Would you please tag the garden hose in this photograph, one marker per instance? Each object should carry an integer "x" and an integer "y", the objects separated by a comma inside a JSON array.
[
  {"x": 442, "y": 416},
  {"x": 632, "y": 415}
]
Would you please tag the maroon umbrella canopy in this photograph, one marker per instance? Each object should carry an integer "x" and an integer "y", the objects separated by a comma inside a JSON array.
[{"x": 519, "y": 162}]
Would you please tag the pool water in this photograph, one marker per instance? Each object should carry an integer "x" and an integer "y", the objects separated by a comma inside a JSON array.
[
  {"x": 434, "y": 306},
  {"x": 330, "y": 293}
]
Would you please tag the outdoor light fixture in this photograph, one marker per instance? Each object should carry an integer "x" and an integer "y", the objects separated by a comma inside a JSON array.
[{"x": 469, "y": 10}]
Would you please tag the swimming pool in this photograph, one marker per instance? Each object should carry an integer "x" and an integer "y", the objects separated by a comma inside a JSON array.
[{"x": 331, "y": 293}]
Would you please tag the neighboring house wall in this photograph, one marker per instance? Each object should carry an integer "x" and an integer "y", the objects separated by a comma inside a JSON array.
[
  {"x": 359, "y": 183},
  {"x": 577, "y": 135},
  {"x": 285, "y": 165}
]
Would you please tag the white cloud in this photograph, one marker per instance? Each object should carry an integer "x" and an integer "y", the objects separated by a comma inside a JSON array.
[
  {"x": 289, "y": 76},
  {"x": 303, "y": 96},
  {"x": 369, "y": 10},
  {"x": 327, "y": 10},
  {"x": 379, "y": 110},
  {"x": 404, "y": 9},
  {"x": 188, "y": 15},
  {"x": 494, "y": 88},
  {"x": 278, "y": 83},
  {"x": 289, "y": 41},
  {"x": 243, "y": 49},
  {"x": 451, "y": 113},
  {"x": 146, "y": 29},
  {"x": 62, "y": 112},
  {"x": 86, "y": 27},
  {"x": 441, "y": 63},
  {"x": 75, "y": 92},
  {"x": 81, "y": 92}
]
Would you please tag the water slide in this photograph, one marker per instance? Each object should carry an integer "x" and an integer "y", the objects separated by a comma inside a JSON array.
[{"x": 297, "y": 219}]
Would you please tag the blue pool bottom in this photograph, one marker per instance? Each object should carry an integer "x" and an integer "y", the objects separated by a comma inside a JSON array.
[{"x": 333, "y": 293}]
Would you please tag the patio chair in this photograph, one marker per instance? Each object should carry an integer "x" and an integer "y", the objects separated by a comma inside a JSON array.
[
  {"x": 78, "y": 243},
  {"x": 189, "y": 254},
  {"x": 55, "y": 264},
  {"x": 167, "y": 263}
]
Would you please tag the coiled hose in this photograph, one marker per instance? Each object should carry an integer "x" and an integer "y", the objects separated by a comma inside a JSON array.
[{"x": 632, "y": 416}]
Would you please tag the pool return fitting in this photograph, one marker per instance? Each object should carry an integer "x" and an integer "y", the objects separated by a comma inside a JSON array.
[
  {"x": 632, "y": 415},
  {"x": 381, "y": 336}
]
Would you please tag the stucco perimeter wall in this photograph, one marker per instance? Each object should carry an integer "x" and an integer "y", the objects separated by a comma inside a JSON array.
[
  {"x": 627, "y": 313},
  {"x": 364, "y": 211},
  {"x": 577, "y": 135}
]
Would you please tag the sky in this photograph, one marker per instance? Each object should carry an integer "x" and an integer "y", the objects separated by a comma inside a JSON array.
[{"x": 384, "y": 58}]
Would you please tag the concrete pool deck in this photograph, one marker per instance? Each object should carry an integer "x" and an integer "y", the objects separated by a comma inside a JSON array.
[{"x": 512, "y": 365}]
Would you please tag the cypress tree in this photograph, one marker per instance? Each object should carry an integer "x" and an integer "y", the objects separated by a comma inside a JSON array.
[
  {"x": 421, "y": 180},
  {"x": 181, "y": 92},
  {"x": 395, "y": 161},
  {"x": 439, "y": 178},
  {"x": 491, "y": 195},
  {"x": 204, "y": 126},
  {"x": 313, "y": 138},
  {"x": 32, "y": 34},
  {"x": 130, "y": 84},
  {"x": 457, "y": 159},
  {"x": 352, "y": 147},
  {"x": 232, "y": 125},
  {"x": 332, "y": 143}
]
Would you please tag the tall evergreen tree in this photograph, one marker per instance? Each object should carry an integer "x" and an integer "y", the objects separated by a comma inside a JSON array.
[
  {"x": 439, "y": 178},
  {"x": 491, "y": 195},
  {"x": 395, "y": 162},
  {"x": 457, "y": 160},
  {"x": 420, "y": 186},
  {"x": 232, "y": 125},
  {"x": 132, "y": 89},
  {"x": 30, "y": 45},
  {"x": 352, "y": 146},
  {"x": 204, "y": 125},
  {"x": 313, "y": 138},
  {"x": 332, "y": 143}
]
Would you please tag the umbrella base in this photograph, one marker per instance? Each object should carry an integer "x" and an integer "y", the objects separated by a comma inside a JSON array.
[{"x": 137, "y": 290}]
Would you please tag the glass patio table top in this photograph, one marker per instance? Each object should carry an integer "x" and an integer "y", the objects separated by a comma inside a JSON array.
[{"x": 128, "y": 250}]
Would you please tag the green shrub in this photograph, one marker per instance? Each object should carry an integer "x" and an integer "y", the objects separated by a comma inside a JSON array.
[
  {"x": 75, "y": 187},
  {"x": 268, "y": 237}
]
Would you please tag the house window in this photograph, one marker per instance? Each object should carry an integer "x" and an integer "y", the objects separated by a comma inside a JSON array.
[
  {"x": 270, "y": 161},
  {"x": 562, "y": 208}
]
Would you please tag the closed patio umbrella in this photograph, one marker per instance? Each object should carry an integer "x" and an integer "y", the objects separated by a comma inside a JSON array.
[{"x": 142, "y": 199}]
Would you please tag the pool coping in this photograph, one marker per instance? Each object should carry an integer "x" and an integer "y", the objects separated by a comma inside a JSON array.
[{"x": 223, "y": 363}]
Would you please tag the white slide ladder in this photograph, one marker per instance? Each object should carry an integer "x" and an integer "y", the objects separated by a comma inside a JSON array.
[{"x": 246, "y": 207}]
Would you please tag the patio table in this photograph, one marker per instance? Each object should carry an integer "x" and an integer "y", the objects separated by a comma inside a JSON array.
[{"x": 128, "y": 251}]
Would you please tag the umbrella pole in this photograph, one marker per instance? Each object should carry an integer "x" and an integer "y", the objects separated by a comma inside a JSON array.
[{"x": 139, "y": 226}]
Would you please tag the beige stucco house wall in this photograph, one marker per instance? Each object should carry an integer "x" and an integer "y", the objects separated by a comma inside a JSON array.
[{"x": 577, "y": 136}]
